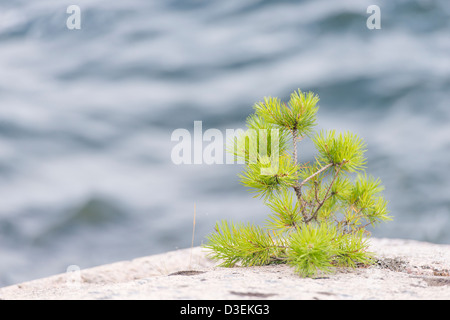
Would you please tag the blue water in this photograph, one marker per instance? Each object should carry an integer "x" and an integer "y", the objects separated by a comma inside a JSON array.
[{"x": 86, "y": 116}]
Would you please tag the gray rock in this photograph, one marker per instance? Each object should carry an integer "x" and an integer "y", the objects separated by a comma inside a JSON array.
[{"x": 405, "y": 269}]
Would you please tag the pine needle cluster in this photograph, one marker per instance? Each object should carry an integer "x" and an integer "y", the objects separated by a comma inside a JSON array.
[{"x": 319, "y": 210}]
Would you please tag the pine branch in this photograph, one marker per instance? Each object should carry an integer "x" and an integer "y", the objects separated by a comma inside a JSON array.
[
  {"x": 315, "y": 174},
  {"x": 314, "y": 216},
  {"x": 294, "y": 142}
]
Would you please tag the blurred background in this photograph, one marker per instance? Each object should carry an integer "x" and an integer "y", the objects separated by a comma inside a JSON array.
[{"x": 86, "y": 116}]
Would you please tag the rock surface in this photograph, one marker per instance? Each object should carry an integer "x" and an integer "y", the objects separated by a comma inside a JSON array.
[{"x": 406, "y": 269}]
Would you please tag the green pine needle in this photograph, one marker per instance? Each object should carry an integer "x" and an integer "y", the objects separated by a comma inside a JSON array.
[
  {"x": 346, "y": 150},
  {"x": 245, "y": 244},
  {"x": 286, "y": 213},
  {"x": 311, "y": 249},
  {"x": 299, "y": 114}
]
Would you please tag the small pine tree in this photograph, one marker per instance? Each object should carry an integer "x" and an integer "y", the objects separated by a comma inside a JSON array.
[{"x": 319, "y": 214}]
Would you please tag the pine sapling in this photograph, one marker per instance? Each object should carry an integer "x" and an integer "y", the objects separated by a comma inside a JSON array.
[{"x": 319, "y": 210}]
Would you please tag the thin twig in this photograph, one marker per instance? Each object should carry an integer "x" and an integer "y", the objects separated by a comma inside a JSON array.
[
  {"x": 294, "y": 140},
  {"x": 297, "y": 187},
  {"x": 193, "y": 233},
  {"x": 314, "y": 216},
  {"x": 316, "y": 189},
  {"x": 315, "y": 174}
]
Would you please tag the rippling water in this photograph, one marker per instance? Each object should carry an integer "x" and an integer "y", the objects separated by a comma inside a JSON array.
[{"x": 86, "y": 116}]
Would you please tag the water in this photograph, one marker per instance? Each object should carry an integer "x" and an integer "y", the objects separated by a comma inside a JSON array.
[{"x": 86, "y": 116}]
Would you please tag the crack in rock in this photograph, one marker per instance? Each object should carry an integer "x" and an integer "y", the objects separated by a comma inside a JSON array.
[
  {"x": 186, "y": 273},
  {"x": 253, "y": 294}
]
